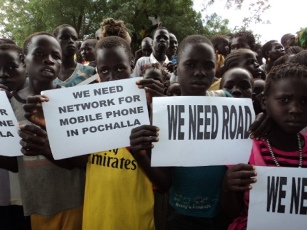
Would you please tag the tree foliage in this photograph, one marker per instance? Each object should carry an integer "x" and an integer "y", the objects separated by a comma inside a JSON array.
[{"x": 23, "y": 17}]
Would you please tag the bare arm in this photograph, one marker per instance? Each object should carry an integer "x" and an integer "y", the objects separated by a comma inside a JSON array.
[
  {"x": 141, "y": 139},
  {"x": 237, "y": 180}
]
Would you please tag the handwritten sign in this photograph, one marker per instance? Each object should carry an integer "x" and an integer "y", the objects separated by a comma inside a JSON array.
[
  {"x": 201, "y": 131},
  {"x": 9, "y": 138},
  {"x": 278, "y": 199},
  {"x": 86, "y": 119}
]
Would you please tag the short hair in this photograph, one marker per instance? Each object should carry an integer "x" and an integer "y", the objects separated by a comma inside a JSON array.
[
  {"x": 91, "y": 41},
  {"x": 57, "y": 29},
  {"x": 218, "y": 39},
  {"x": 284, "y": 71},
  {"x": 112, "y": 27},
  {"x": 300, "y": 58},
  {"x": 294, "y": 50},
  {"x": 11, "y": 47},
  {"x": 234, "y": 58},
  {"x": 283, "y": 59},
  {"x": 193, "y": 39},
  {"x": 267, "y": 47},
  {"x": 250, "y": 38},
  {"x": 28, "y": 40},
  {"x": 232, "y": 69},
  {"x": 114, "y": 41},
  {"x": 7, "y": 41},
  {"x": 284, "y": 38},
  {"x": 159, "y": 28}
]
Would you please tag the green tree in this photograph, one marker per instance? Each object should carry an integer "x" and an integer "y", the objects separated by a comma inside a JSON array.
[
  {"x": 24, "y": 17},
  {"x": 215, "y": 24}
]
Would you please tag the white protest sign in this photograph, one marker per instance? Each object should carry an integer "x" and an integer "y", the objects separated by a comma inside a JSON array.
[
  {"x": 278, "y": 199},
  {"x": 9, "y": 138},
  {"x": 201, "y": 131},
  {"x": 91, "y": 118}
]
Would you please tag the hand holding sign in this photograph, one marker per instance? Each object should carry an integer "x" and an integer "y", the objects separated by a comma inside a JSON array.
[
  {"x": 153, "y": 88},
  {"x": 141, "y": 139},
  {"x": 239, "y": 178},
  {"x": 34, "y": 141},
  {"x": 34, "y": 111}
]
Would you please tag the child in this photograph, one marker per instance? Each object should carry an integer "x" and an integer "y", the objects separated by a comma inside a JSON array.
[
  {"x": 196, "y": 70},
  {"x": 146, "y": 49},
  {"x": 87, "y": 50},
  {"x": 51, "y": 191},
  {"x": 115, "y": 198},
  {"x": 246, "y": 59},
  {"x": 71, "y": 73},
  {"x": 238, "y": 82},
  {"x": 271, "y": 51},
  {"x": 174, "y": 87},
  {"x": 242, "y": 39},
  {"x": 285, "y": 103},
  {"x": 12, "y": 79}
]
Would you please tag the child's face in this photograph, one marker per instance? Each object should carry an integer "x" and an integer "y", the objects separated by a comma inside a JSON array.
[
  {"x": 146, "y": 49},
  {"x": 196, "y": 69},
  {"x": 276, "y": 51},
  {"x": 43, "y": 61},
  {"x": 223, "y": 48},
  {"x": 113, "y": 64},
  {"x": 238, "y": 43},
  {"x": 238, "y": 82},
  {"x": 259, "y": 85},
  {"x": 67, "y": 38},
  {"x": 286, "y": 104},
  {"x": 173, "y": 44},
  {"x": 12, "y": 70},
  {"x": 174, "y": 89},
  {"x": 249, "y": 61},
  {"x": 87, "y": 51}
]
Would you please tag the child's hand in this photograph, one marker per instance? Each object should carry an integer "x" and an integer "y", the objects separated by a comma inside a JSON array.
[
  {"x": 239, "y": 178},
  {"x": 34, "y": 111},
  {"x": 153, "y": 88},
  {"x": 34, "y": 141},
  {"x": 261, "y": 127},
  {"x": 6, "y": 89},
  {"x": 141, "y": 139}
]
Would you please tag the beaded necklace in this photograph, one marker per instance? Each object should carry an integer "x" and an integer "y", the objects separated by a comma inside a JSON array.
[{"x": 299, "y": 150}]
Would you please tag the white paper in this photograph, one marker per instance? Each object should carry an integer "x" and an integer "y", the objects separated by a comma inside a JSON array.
[
  {"x": 9, "y": 138},
  {"x": 194, "y": 131},
  {"x": 86, "y": 119},
  {"x": 288, "y": 187}
]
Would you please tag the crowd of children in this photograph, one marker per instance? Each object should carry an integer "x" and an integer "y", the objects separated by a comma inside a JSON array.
[{"x": 40, "y": 193}]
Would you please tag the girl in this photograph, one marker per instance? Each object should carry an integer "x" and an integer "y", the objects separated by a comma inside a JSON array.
[{"x": 285, "y": 102}]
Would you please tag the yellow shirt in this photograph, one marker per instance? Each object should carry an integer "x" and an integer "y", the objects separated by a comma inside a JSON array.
[{"x": 118, "y": 195}]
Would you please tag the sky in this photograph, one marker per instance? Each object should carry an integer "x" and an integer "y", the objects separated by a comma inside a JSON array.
[{"x": 284, "y": 16}]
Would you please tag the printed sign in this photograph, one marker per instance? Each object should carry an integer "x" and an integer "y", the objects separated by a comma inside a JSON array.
[
  {"x": 201, "y": 131},
  {"x": 9, "y": 138},
  {"x": 278, "y": 200},
  {"x": 86, "y": 119}
]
